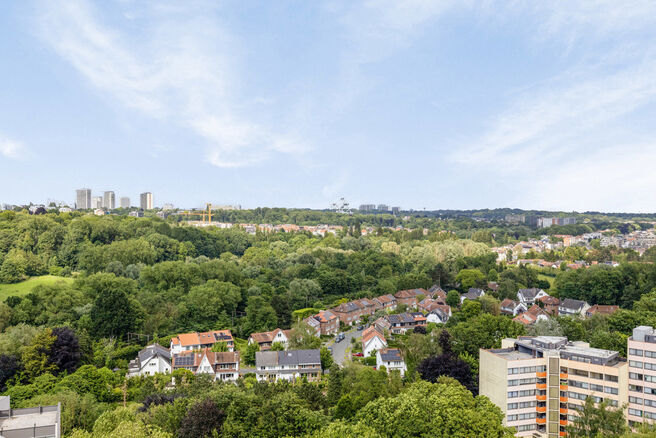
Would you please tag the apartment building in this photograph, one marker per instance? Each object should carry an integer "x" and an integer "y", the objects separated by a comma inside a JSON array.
[
  {"x": 41, "y": 421},
  {"x": 642, "y": 375},
  {"x": 540, "y": 383}
]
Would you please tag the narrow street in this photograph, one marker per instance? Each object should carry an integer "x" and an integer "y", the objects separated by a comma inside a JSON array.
[{"x": 339, "y": 348}]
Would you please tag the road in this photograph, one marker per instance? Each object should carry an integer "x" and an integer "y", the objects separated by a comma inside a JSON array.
[{"x": 339, "y": 348}]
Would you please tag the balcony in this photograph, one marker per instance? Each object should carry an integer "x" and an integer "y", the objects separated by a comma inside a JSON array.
[
  {"x": 542, "y": 397},
  {"x": 542, "y": 386},
  {"x": 563, "y": 399},
  {"x": 563, "y": 422},
  {"x": 562, "y": 433},
  {"x": 541, "y": 409},
  {"x": 563, "y": 376},
  {"x": 563, "y": 387},
  {"x": 563, "y": 411},
  {"x": 541, "y": 420},
  {"x": 542, "y": 374}
]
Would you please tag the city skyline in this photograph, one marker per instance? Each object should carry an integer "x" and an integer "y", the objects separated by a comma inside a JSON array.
[{"x": 424, "y": 104}]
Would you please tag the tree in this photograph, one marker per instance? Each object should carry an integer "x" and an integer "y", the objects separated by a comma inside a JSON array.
[
  {"x": 249, "y": 354},
  {"x": 260, "y": 316},
  {"x": 65, "y": 351},
  {"x": 420, "y": 329},
  {"x": 35, "y": 357},
  {"x": 326, "y": 358},
  {"x": 211, "y": 304},
  {"x": 453, "y": 298},
  {"x": 303, "y": 292},
  {"x": 113, "y": 314},
  {"x": 469, "y": 278},
  {"x": 442, "y": 409},
  {"x": 220, "y": 347},
  {"x": 598, "y": 420},
  {"x": 303, "y": 337},
  {"x": 545, "y": 327},
  {"x": 447, "y": 364},
  {"x": 278, "y": 346},
  {"x": 9, "y": 367},
  {"x": 204, "y": 419}
]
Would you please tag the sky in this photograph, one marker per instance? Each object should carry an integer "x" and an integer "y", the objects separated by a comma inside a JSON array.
[{"x": 432, "y": 104}]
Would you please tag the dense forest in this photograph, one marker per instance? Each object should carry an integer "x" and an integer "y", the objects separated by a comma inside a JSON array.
[{"x": 70, "y": 339}]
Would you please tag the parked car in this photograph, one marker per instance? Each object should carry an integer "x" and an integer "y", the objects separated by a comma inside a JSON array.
[
  {"x": 360, "y": 327},
  {"x": 358, "y": 354},
  {"x": 340, "y": 337}
]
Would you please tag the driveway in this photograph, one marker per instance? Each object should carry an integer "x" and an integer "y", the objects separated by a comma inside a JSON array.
[{"x": 339, "y": 348}]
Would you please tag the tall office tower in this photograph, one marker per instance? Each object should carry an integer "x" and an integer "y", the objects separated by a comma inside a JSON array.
[
  {"x": 125, "y": 202},
  {"x": 146, "y": 201},
  {"x": 83, "y": 199},
  {"x": 642, "y": 375},
  {"x": 109, "y": 200},
  {"x": 541, "y": 383},
  {"x": 97, "y": 202}
]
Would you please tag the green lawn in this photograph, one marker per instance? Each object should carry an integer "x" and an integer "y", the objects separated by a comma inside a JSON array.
[
  {"x": 25, "y": 287},
  {"x": 546, "y": 277}
]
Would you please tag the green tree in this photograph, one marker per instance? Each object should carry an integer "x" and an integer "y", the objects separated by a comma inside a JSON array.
[
  {"x": 277, "y": 346},
  {"x": 303, "y": 337},
  {"x": 114, "y": 314},
  {"x": 453, "y": 298},
  {"x": 35, "y": 357},
  {"x": 249, "y": 353},
  {"x": 598, "y": 420},
  {"x": 469, "y": 278},
  {"x": 260, "y": 316}
]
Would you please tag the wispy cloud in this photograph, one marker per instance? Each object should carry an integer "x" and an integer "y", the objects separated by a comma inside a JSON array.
[
  {"x": 181, "y": 68},
  {"x": 12, "y": 149}
]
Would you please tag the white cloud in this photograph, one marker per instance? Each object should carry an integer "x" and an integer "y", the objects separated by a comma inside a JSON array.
[
  {"x": 12, "y": 149},
  {"x": 181, "y": 68}
]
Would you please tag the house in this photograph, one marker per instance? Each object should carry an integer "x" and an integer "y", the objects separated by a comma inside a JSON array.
[
  {"x": 385, "y": 302},
  {"x": 428, "y": 304},
  {"x": 349, "y": 313},
  {"x": 325, "y": 322},
  {"x": 532, "y": 315},
  {"x": 382, "y": 324},
  {"x": 600, "y": 309},
  {"x": 493, "y": 286},
  {"x": 510, "y": 307},
  {"x": 440, "y": 314},
  {"x": 568, "y": 307},
  {"x": 472, "y": 294},
  {"x": 223, "y": 366},
  {"x": 372, "y": 340},
  {"x": 271, "y": 366},
  {"x": 266, "y": 339},
  {"x": 528, "y": 296},
  {"x": 409, "y": 296},
  {"x": 392, "y": 359},
  {"x": 368, "y": 306},
  {"x": 403, "y": 322},
  {"x": 198, "y": 341},
  {"x": 550, "y": 304},
  {"x": 151, "y": 360},
  {"x": 41, "y": 421},
  {"x": 437, "y": 293}
]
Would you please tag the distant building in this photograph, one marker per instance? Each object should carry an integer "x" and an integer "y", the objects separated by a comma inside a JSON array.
[
  {"x": 97, "y": 202},
  {"x": 162, "y": 214},
  {"x": 367, "y": 207},
  {"x": 515, "y": 218},
  {"x": 136, "y": 214},
  {"x": 146, "y": 201},
  {"x": 109, "y": 200},
  {"x": 83, "y": 199},
  {"x": 396, "y": 210},
  {"x": 545, "y": 222},
  {"x": 42, "y": 421},
  {"x": 125, "y": 202},
  {"x": 383, "y": 207},
  {"x": 167, "y": 206}
]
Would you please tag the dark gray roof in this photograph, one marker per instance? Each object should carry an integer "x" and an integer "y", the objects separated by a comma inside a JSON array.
[
  {"x": 473, "y": 293},
  {"x": 390, "y": 354},
  {"x": 400, "y": 318},
  {"x": 530, "y": 293},
  {"x": 290, "y": 357},
  {"x": 154, "y": 350},
  {"x": 569, "y": 303},
  {"x": 435, "y": 288}
]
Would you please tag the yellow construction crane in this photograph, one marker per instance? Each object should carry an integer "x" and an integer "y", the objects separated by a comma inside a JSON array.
[{"x": 202, "y": 213}]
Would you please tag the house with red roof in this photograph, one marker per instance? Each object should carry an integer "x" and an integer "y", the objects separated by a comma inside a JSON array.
[{"x": 198, "y": 341}]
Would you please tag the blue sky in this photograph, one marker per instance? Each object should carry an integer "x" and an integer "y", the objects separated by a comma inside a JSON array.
[{"x": 417, "y": 103}]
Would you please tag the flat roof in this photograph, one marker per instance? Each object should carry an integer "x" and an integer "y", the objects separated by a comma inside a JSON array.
[{"x": 511, "y": 354}]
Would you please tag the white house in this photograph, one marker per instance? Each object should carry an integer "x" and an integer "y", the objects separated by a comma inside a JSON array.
[
  {"x": 391, "y": 359},
  {"x": 570, "y": 307},
  {"x": 472, "y": 294},
  {"x": 271, "y": 366},
  {"x": 198, "y": 341},
  {"x": 528, "y": 296},
  {"x": 223, "y": 365},
  {"x": 266, "y": 339},
  {"x": 372, "y": 340},
  {"x": 510, "y": 307},
  {"x": 151, "y": 360},
  {"x": 439, "y": 315}
]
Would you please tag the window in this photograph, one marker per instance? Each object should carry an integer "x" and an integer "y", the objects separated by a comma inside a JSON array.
[
  {"x": 524, "y": 427},
  {"x": 635, "y": 376},
  {"x": 650, "y": 366},
  {"x": 635, "y": 400},
  {"x": 594, "y": 387},
  {"x": 635, "y": 364},
  {"x": 635, "y": 412},
  {"x": 577, "y": 384},
  {"x": 610, "y": 378},
  {"x": 634, "y": 352},
  {"x": 651, "y": 354},
  {"x": 609, "y": 390}
]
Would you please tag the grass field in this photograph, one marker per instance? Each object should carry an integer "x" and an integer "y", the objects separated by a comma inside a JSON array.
[
  {"x": 546, "y": 277},
  {"x": 25, "y": 287}
]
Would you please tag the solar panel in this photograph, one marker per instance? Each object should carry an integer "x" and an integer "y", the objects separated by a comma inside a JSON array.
[{"x": 184, "y": 360}]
